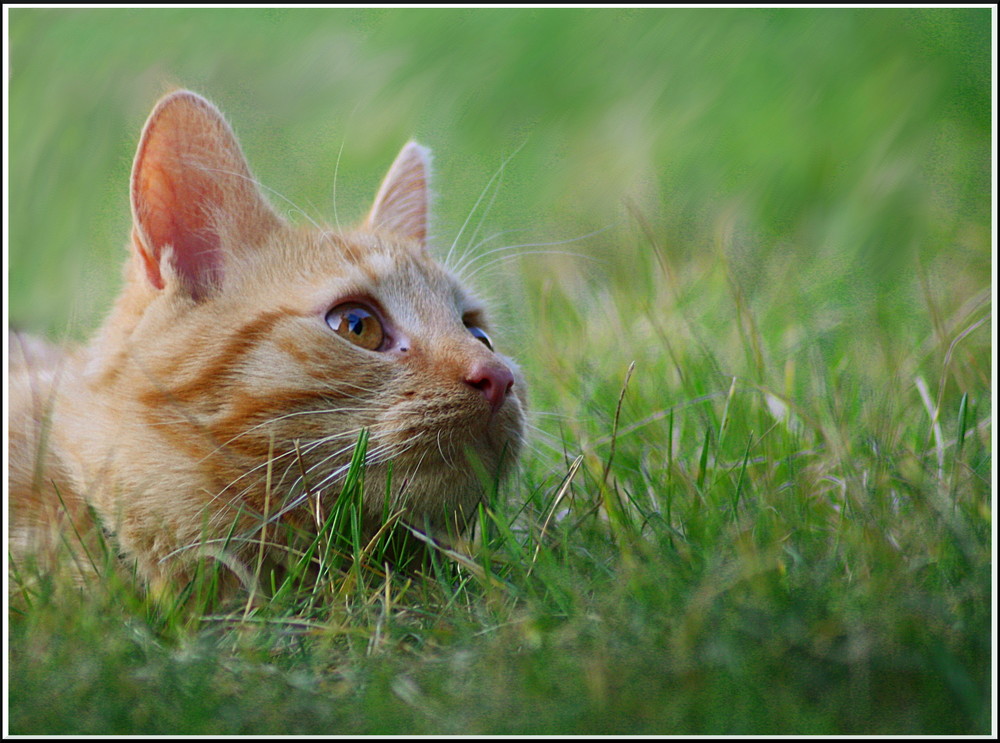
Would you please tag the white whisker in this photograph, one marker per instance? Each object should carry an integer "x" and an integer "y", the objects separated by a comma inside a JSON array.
[
  {"x": 470, "y": 255},
  {"x": 510, "y": 248},
  {"x": 475, "y": 206},
  {"x": 294, "y": 207},
  {"x": 336, "y": 172},
  {"x": 506, "y": 258}
]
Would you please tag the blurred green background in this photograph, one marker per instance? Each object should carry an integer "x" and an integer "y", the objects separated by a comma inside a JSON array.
[
  {"x": 842, "y": 146},
  {"x": 782, "y": 216}
]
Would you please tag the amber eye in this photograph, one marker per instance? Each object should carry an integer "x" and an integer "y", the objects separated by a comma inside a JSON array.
[
  {"x": 479, "y": 333},
  {"x": 357, "y": 324}
]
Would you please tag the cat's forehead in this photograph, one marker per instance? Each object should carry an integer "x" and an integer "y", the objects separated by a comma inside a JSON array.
[{"x": 404, "y": 278}]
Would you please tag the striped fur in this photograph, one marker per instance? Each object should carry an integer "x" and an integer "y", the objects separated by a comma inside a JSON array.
[{"x": 217, "y": 368}]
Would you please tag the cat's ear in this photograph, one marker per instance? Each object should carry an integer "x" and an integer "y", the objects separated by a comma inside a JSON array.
[
  {"x": 401, "y": 204},
  {"x": 192, "y": 194}
]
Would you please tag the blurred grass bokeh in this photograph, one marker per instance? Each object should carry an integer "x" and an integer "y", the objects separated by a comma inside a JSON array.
[
  {"x": 782, "y": 216},
  {"x": 852, "y": 142}
]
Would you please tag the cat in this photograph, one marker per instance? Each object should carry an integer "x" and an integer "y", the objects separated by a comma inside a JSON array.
[{"x": 244, "y": 357}]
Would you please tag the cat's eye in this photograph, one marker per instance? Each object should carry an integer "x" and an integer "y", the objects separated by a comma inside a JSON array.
[
  {"x": 357, "y": 324},
  {"x": 479, "y": 333}
]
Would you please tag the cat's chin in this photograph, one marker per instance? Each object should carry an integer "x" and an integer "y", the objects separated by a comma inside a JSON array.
[{"x": 436, "y": 492}]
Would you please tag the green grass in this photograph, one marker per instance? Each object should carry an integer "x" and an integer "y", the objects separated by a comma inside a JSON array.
[{"x": 778, "y": 521}]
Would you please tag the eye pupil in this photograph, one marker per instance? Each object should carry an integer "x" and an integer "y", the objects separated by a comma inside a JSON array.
[{"x": 357, "y": 324}]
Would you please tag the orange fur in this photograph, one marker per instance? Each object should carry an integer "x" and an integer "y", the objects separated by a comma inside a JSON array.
[{"x": 219, "y": 353}]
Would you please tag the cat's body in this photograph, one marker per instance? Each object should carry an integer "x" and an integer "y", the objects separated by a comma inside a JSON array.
[{"x": 242, "y": 361}]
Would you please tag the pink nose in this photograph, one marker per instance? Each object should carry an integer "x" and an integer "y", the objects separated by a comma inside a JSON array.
[{"x": 493, "y": 380}]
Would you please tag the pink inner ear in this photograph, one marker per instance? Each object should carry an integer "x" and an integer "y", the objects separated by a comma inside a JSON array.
[
  {"x": 193, "y": 195},
  {"x": 149, "y": 264},
  {"x": 174, "y": 204}
]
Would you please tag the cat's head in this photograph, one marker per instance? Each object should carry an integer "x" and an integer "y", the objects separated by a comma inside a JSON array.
[{"x": 245, "y": 340}]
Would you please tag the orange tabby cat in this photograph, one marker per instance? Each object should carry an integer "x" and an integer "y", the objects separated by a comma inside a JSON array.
[{"x": 241, "y": 362}]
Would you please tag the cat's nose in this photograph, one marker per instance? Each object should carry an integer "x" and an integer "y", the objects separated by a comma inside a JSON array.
[{"x": 493, "y": 380}]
